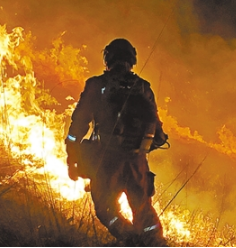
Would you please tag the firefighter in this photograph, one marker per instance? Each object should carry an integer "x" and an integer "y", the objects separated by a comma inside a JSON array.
[{"x": 122, "y": 108}]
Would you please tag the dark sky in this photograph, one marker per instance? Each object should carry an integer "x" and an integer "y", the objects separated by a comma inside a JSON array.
[{"x": 217, "y": 17}]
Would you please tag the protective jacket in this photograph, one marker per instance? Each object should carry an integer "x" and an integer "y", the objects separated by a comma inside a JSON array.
[{"x": 105, "y": 112}]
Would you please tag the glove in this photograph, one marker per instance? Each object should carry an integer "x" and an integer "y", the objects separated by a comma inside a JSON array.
[
  {"x": 159, "y": 140},
  {"x": 72, "y": 159}
]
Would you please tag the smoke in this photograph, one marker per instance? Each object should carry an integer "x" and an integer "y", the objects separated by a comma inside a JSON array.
[
  {"x": 217, "y": 17},
  {"x": 191, "y": 69}
]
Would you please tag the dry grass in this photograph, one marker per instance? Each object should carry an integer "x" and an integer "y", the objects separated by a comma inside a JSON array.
[{"x": 31, "y": 214}]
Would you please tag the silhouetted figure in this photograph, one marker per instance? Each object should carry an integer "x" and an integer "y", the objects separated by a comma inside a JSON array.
[{"x": 123, "y": 111}]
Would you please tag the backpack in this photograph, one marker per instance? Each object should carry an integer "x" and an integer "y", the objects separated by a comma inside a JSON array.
[{"x": 130, "y": 113}]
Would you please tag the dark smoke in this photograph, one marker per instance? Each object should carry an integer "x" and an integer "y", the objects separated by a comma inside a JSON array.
[{"x": 217, "y": 17}]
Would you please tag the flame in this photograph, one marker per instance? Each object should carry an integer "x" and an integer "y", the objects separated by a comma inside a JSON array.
[
  {"x": 227, "y": 143},
  {"x": 173, "y": 225},
  {"x": 125, "y": 208},
  {"x": 33, "y": 135},
  {"x": 29, "y": 131}
]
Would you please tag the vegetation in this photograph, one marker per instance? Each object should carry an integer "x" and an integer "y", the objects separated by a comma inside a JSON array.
[
  {"x": 33, "y": 209},
  {"x": 32, "y": 215}
]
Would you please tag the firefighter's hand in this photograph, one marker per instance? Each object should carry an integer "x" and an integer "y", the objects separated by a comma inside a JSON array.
[
  {"x": 71, "y": 152},
  {"x": 73, "y": 172},
  {"x": 71, "y": 159}
]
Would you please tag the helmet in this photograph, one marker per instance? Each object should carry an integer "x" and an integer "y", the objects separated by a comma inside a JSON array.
[{"x": 119, "y": 50}]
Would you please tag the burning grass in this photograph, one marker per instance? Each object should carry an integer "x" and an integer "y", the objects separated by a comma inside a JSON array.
[
  {"x": 40, "y": 205},
  {"x": 32, "y": 214}
]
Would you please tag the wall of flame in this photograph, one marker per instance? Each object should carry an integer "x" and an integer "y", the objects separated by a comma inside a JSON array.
[{"x": 47, "y": 51}]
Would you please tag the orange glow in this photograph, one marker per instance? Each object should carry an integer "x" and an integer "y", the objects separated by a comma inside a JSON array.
[
  {"x": 31, "y": 132},
  {"x": 34, "y": 134},
  {"x": 125, "y": 208}
]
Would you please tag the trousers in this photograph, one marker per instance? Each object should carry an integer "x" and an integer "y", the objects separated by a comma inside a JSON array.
[{"x": 119, "y": 172}]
